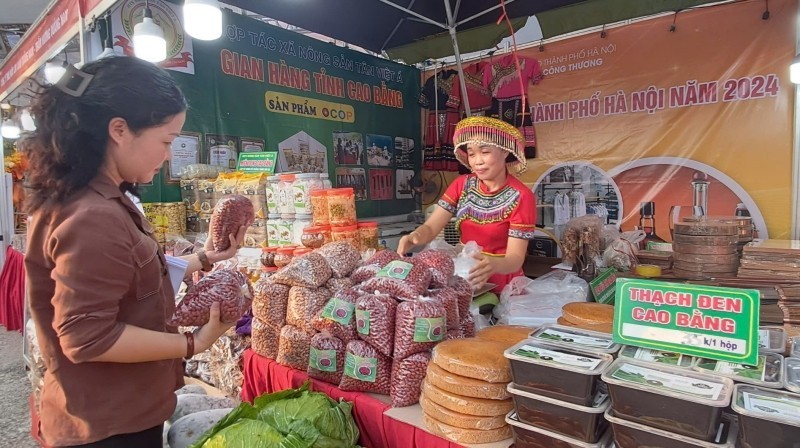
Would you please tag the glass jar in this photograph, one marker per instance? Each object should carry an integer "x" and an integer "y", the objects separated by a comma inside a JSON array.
[
  {"x": 319, "y": 207},
  {"x": 268, "y": 256},
  {"x": 284, "y": 256},
  {"x": 302, "y": 187},
  {"x": 272, "y": 194},
  {"x": 346, "y": 233},
  {"x": 326, "y": 181},
  {"x": 341, "y": 207},
  {"x": 368, "y": 233},
  {"x": 273, "y": 233},
  {"x": 300, "y": 251},
  {"x": 285, "y": 193},
  {"x": 300, "y": 223},
  {"x": 313, "y": 237},
  {"x": 285, "y": 229}
]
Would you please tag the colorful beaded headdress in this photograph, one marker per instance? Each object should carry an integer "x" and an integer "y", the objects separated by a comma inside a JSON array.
[{"x": 490, "y": 131}]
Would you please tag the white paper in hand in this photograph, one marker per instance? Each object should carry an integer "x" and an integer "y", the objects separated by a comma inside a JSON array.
[{"x": 177, "y": 270}]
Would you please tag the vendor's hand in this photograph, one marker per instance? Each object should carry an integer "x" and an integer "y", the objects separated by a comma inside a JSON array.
[
  {"x": 408, "y": 242},
  {"x": 481, "y": 271},
  {"x": 230, "y": 252},
  {"x": 207, "y": 335}
]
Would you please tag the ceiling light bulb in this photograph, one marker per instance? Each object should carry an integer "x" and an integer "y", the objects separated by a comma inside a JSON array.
[
  {"x": 26, "y": 119},
  {"x": 53, "y": 71},
  {"x": 202, "y": 19},
  {"x": 148, "y": 39},
  {"x": 10, "y": 130},
  {"x": 107, "y": 53}
]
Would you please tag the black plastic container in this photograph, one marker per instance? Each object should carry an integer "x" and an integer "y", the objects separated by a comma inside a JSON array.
[
  {"x": 768, "y": 418},
  {"x": 529, "y": 436},
  {"x": 634, "y": 435}
]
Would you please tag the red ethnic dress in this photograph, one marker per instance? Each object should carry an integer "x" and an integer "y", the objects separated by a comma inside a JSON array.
[{"x": 490, "y": 218}]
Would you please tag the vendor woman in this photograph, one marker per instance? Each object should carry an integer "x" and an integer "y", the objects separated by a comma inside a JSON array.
[{"x": 491, "y": 206}]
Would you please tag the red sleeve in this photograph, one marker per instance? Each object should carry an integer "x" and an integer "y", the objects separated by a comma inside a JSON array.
[
  {"x": 523, "y": 218},
  {"x": 449, "y": 200},
  {"x": 533, "y": 71}
]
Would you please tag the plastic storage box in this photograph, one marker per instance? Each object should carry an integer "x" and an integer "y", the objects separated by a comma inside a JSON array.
[
  {"x": 629, "y": 434},
  {"x": 768, "y": 372},
  {"x": 791, "y": 375},
  {"x": 576, "y": 338},
  {"x": 656, "y": 356},
  {"x": 768, "y": 418},
  {"x": 772, "y": 340},
  {"x": 529, "y": 436}
]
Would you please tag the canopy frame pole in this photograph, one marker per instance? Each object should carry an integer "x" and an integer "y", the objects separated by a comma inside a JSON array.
[
  {"x": 397, "y": 27},
  {"x": 487, "y": 11},
  {"x": 415, "y": 14},
  {"x": 451, "y": 27}
]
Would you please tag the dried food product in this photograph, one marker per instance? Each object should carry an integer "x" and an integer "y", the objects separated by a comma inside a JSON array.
[
  {"x": 312, "y": 237},
  {"x": 454, "y": 334},
  {"x": 230, "y": 288},
  {"x": 309, "y": 270},
  {"x": 401, "y": 279},
  {"x": 326, "y": 358},
  {"x": 347, "y": 234},
  {"x": 368, "y": 233},
  {"x": 473, "y": 358},
  {"x": 230, "y": 213},
  {"x": 339, "y": 284},
  {"x": 468, "y": 326},
  {"x": 468, "y": 387},
  {"x": 341, "y": 256},
  {"x": 375, "y": 321},
  {"x": 407, "y": 376},
  {"x": 467, "y": 405},
  {"x": 304, "y": 304},
  {"x": 269, "y": 301},
  {"x": 464, "y": 292},
  {"x": 265, "y": 338},
  {"x": 293, "y": 348},
  {"x": 419, "y": 326},
  {"x": 468, "y": 436},
  {"x": 507, "y": 334},
  {"x": 449, "y": 299},
  {"x": 319, "y": 207},
  {"x": 365, "y": 369},
  {"x": 252, "y": 186},
  {"x": 441, "y": 265},
  {"x": 588, "y": 313},
  {"x": 341, "y": 207},
  {"x": 458, "y": 419},
  {"x": 373, "y": 264},
  {"x": 338, "y": 315}
]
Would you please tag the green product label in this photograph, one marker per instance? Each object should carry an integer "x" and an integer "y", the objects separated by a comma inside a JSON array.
[
  {"x": 300, "y": 197},
  {"x": 272, "y": 201},
  {"x": 362, "y": 369},
  {"x": 558, "y": 357},
  {"x": 757, "y": 372},
  {"x": 339, "y": 310},
  {"x": 603, "y": 286},
  {"x": 362, "y": 321},
  {"x": 396, "y": 269},
  {"x": 658, "y": 356},
  {"x": 697, "y": 320},
  {"x": 429, "y": 329},
  {"x": 656, "y": 379},
  {"x": 257, "y": 162},
  {"x": 658, "y": 246},
  {"x": 322, "y": 360}
]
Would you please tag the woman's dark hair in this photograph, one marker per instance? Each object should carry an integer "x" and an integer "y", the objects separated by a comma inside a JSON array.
[{"x": 69, "y": 145}]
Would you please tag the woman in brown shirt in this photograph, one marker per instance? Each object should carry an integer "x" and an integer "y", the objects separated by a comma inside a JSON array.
[{"x": 97, "y": 281}]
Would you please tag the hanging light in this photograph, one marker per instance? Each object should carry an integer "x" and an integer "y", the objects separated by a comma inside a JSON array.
[
  {"x": 9, "y": 129},
  {"x": 148, "y": 38},
  {"x": 26, "y": 120},
  {"x": 107, "y": 53},
  {"x": 53, "y": 71},
  {"x": 105, "y": 35},
  {"x": 794, "y": 70},
  {"x": 202, "y": 19}
]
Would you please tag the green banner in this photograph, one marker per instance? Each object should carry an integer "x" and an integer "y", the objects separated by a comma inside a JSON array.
[
  {"x": 706, "y": 321},
  {"x": 257, "y": 162}
]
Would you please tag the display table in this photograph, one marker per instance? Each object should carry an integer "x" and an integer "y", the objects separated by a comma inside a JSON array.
[{"x": 262, "y": 375}]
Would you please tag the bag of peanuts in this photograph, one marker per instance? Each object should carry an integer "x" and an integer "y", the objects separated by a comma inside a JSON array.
[
  {"x": 464, "y": 292},
  {"x": 419, "y": 326},
  {"x": 401, "y": 279},
  {"x": 365, "y": 369},
  {"x": 303, "y": 306},
  {"x": 264, "y": 338},
  {"x": 373, "y": 264},
  {"x": 407, "y": 376},
  {"x": 454, "y": 334},
  {"x": 338, "y": 315},
  {"x": 231, "y": 289},
  {"x": 310, "y": 270},
  {"x": 269, "y": 301},
  {"x": 230, "y": 213},
  {"x": 375, "y": 315},
  {"x": 449, "y": 300},
  {"x": 468, "y": 326},
  {"x": 338, "y": 284},
  {"x": 440, "y": 264},
  {"x": 341, "y": 256},
  {"x": 293, "y": 348},
  {"x": 326, "y": 358}
]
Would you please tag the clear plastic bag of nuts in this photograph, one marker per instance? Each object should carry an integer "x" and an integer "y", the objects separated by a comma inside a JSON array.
[
  {"x": 464, "y": 292},
  {"x": 230, "y": 213},
  {"x": 338, "y": 284},
  {"x": 366, "y": 370},
  {"x": 449, "y": 299},
  {"x": 407, "y": 376},
  {"x": 310, "y": 270},
  {"x": 338, "y": 315},
  {"x": 265, "y": 338},
  {"x": 419, "y": 326},
  {"x": 326, "y": 358},
  {"x": 341, "y": 256},
  {"x": 269, "y": 301},
  {"x": 468, "y": 326},
  {"x": 231, "y": 289},
  {"x": 375, "y": 321},
  {"x": 373, "y": 264},
  {"x": 303, "y": 306},
  {"x": 293, "y": 348},
  {"x": 440, "y": 264},
  {"x": 401, "y": 279}
]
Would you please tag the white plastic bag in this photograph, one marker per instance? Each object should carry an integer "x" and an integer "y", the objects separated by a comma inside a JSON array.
[
  {"x": 621, "y": 253},
  {"x": 537, "y": 302},
  {"x": 466, "y": 259}
]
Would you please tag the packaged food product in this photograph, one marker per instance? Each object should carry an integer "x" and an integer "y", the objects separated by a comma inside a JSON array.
[
  {"x": 440, "y": 264},
  {"x": 368, "y": 235},
  {"x": 271, "y": 190},
  {"x": 468, "y": 436},
  {"x": 468, "y": 326},
  {"x": 585, "y": 423},
  {"x": 335, "y": 285},
  {"x": 401, "y": 279},
  {"x": 302, "y": 187},
  {"x": 656, "y": 356},
  {"x": 374, "y": 264},
  {"x": 473, "y": 358},
  {"x": 419, "y": 326},
  {"x": 312, "y": 237},
  {"x": 298, "y": 226},
  {"x": 574, "y": 337},
  {"x": 375, "y": 321},
  {"x": 767, "y": 373},
  {"x": 458, "y": 419},
  {"x": 767, "y": 418},
  {"x": 564, "y": 373},
  {"x": 264, "y": 338},
  {"x": 795, "y": 349},
  {"x": 772, "y": 339},
  {"x": 286, "y": 229},
  {"x": 629, "y": 434},
  {"x": 326, "y": 358},
  {"x": 365, "y": 369},
  {"x": 341, "y": 207},
  {"x": 588, "y": 313},
  {"x": 285, "y": 193},
  {"x": 466, "y": 405},
  {"x": 256, "y": 234},
  {"x": 341, "y": 257},
  {"x": 293, "y": 348},
  {"x": 252, "y": 186},
  {"x": 225, "y": 185},
  {"x": 300, "y": 251},
  {"x": 454, "y": 334},
  {"x": 683, "y": 401},
  {"x": 529, "y": 436},
  {"x": 304, "y": 304},
  {"x": 448, "y": 298},
  {"x": 468, "y": 387},
  {"x": 464, "y": 291},
  {"x": 269, "y": 302},
  {"x": 205, "y": 196},
  {"x": 230, "y": 288},
  {"x": 310, "y": 270},
  {"x": 407, "y": 376},
  {"x": 791, "y": 374},
  {"x": 600, "y": 328},
  {"x": 273, "y": 231},
  {"x": 319, "y": 207},
  {"x": 190, "y": 196},
  {"x": 283, "y": 256},
  {"x": 347, "y": 234},
  {"x": 507, "y": 334},
  {"x": 268, "y": 256},
  {"x": 230, "y": 213},
  {"x": 338, "y": 315}
]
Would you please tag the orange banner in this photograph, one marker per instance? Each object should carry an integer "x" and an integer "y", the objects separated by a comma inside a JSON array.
[{"x": 646, "y": 114}]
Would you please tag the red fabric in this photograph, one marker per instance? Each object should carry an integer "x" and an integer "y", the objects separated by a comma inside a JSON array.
[
  {"x": 12, "y": 291},
  {"x": 263, "y": 375}
]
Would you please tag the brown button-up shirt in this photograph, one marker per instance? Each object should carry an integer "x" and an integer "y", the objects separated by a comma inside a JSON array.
[{"x": 93, "y": 267}]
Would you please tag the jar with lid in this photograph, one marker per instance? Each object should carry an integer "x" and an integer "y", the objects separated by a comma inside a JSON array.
[
  {"x": 284, "y": 255},
  {"x": 313, "y": 237},
  {"x": 268, "y": 256},
  {"x": 272, "y": 194},
  {"x": 346, "y": 233},
  {"x": 326, "y": 181},
  {"x": 302, "y": 187},
  {"x": 268, "y": 271},
  {"x": 319, "y": 207},
  {"x": 326, "y": 234},
  {"x": 273, "y": 231},
  {"x": 368, "y": 234},
  {"x": 341, "y": 207},
  {"x": 301, "y": 221},
  {"x": 285, "y": 193},
  {"x": 300, "y": 251},
  {"x": 285, "y": 229}
]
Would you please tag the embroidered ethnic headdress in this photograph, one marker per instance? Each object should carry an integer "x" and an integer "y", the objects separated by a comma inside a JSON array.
[{"x": 490, "y": 131}]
